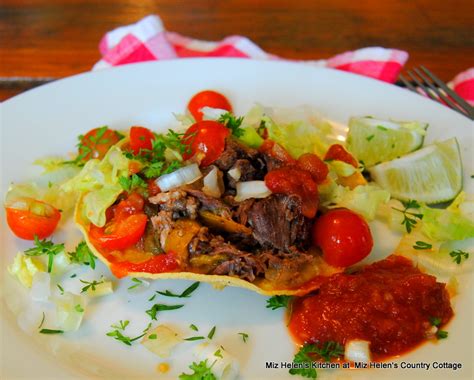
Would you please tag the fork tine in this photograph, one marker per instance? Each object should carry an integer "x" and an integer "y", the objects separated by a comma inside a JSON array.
[
  {"x": 465, "y": 105},
  {"x": 422, "y": 86},
  {"x": 438, "y": 92},
  {"x": 407, "y": 83}
]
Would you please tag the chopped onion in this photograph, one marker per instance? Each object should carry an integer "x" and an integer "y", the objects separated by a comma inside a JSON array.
[
  {"x": 225, "y": 366},
  {"x": 213, "y": 183},
  {"x": 209, "y": 113},
  {"x": 161, "y": 340},
  {"x": 182, "y": 176},
  {"x": 41, "y": 286},
  {"x": 357, "y": 351},
  {"x": 251, "y": 189},
  {"x": 235, "y": 173},
  {"x": 101, "y": 289},
  {"x": 70, "y": 310}
]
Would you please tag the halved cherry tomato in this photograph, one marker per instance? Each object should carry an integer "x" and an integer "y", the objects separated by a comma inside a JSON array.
[
  {"x": 343, "y": 236},
  {"x": 313, "y": 164},
  {"x": 119, "y": 233},
  {"x": 133, "y": 204},
  {"x": 291, "y": 180},
  {"x": 206, "y": 137},
  {"x": 141, "y": 138},
  {"x": 97, "y": 142},
  {"x": 337, "y": 152},
  {"x": 207, "y": 98},
  {"x": 28, "y": 218},
  {"x": 158, "y": 264}
]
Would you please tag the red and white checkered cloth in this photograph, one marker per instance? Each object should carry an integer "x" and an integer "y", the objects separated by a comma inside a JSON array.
[{"x": 147, "y": 40}]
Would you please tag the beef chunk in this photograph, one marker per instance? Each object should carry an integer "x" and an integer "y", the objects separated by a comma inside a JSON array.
[
  {"x": 278, "y": 223},
  {"x": 273, "y": 163},
  {"x": 243, "y": 265},
  {"x": 247, "y": 170},
  {"x": 234, "y": 151}
]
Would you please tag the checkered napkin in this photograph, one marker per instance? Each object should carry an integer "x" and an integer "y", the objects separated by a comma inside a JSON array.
[{"x": 147, "y": 40}]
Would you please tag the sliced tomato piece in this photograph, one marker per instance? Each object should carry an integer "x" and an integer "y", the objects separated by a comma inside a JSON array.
[
  {"x": 141, "y": 139},
  {"x": 337, "y": 152},
  {"x": 207, "y": 138},
  {"x": 207, "y": 98},
  {"x": 276, "y": 151},
  {"x": 28, "y": 218},
  {"x": 158, "y": 264},
  {"x": 119, "y": 233},
  {"x": 97, "y": 142}
]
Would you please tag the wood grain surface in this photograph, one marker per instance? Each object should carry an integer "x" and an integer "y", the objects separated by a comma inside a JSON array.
[{"x": 44, "y": 40}]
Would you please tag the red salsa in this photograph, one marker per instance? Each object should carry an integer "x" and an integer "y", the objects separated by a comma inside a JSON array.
[{"x": 389, "y": 303}]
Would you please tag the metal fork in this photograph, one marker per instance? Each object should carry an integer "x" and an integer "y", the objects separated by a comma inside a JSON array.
[{"x": 429, "y": 84}]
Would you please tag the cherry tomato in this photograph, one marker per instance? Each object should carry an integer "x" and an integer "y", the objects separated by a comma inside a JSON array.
[
  {"x": 141, "y": 138},
  {"x": 28, "y": 218},
  {"x": 97, "y": 142},
  {"x": 206, "y": 137},
  {"x": 343, "y": 236},
  {"x": 313, "y": 164},
  {"x": 119, "y": 233},
  {"x": 157, "y": 264},
  {"x": 291, "y": 180},
  {"x": 337, "y": 152},
  {"x": 207, "y": 98},
  {"x": 133, "y": 204}
]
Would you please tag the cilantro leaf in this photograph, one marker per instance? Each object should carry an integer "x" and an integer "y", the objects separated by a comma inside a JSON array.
[
  {"x": 201, "y": 371},
  {"x": 160, "y": 307},
  {"x": 311, "y": 352},
  {"x": 277, "y": 302},
  {"x": 90, "y": 285},
  {"x": 117, "y": 335},
  {"x": 458, "y": 256},
  {"x": 421, "y": 245},
  {"x": 186, "y": 292},
  {"x": 410, "y": 218},
  {"x": 134, "y": 182},
  {"x": 45, "y": 247},
  {"x": 50, "y": 332},
  {"x": 233, "y": 123},
  {"x": 245, "y": 336},
  {"x": 83, "y": 255}
]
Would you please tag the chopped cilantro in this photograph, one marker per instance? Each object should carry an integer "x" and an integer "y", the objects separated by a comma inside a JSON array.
[
  {"x": 201, "y": 371},
  {"x": 277, "y": 302},
  {"x": 90, "y": 285},
  {"x": 233, "y": 123},
  {"x": 83, "y": 255},
  {"x": 458, "y": 256},
  {"x": 421, "y": 245},
  {"x": 410, "y": 218},
  {"x": 186, "y": 292},
  {"x": 245, "y": 336},
  {"x": 160, "y": 307},
  {"x": 45, "y": 247}
]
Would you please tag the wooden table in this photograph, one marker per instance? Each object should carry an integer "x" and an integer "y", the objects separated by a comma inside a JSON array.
[{"x": 43, "y": 40}]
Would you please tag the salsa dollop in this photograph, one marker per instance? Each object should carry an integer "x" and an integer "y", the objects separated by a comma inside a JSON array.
[{"x": 389, "y": 303}]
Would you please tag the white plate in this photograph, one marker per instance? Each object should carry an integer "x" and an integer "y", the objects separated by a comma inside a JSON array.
[{"x": 47, "y": 120}]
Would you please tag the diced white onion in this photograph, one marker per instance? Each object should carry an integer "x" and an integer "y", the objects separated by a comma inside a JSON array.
[
  {"x": 164, "y": 340},
  {"x": 70, "y": 310},
  {"x": 182, "y": 176},
  {"x": 357, "y": 351},
  {"x": 251, "y": 189},
  {"x": 213, "y": 183},
  {"x": 235, "y": 173},
  {"x": 225, "y": 367},
  {"x": 41, "y": 286},
  {"x": 209, "y": 113}
]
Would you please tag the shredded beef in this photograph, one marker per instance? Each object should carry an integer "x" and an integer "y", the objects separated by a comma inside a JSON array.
[
  {"x": 163, "y": 224},
  {"x": 177, "y": 202},
  {"x": 278, "y": 223},
  {"x": 208, "y": 203}
]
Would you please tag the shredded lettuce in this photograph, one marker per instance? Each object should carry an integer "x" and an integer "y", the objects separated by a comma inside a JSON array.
[
  {"x": 299, "y": 130},
  {"x": 364, "y": 199},
  {"x": 448, "y": 224},
  {"x": 98, "y": 180},
  {"x": 341, "y": 168}
]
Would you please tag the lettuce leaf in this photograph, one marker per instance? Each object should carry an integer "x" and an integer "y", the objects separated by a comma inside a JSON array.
[
  {"x": 299, "y": 130},
  {"x": 364, "y": 199},
  {"x": 98, "y": 183},
  {"x": 24, "y": 268}
]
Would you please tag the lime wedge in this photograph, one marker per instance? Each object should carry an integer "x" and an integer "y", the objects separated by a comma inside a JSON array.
[
  {"x": 373, "y": 141},
  {"x": 431, "y": 175}
]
